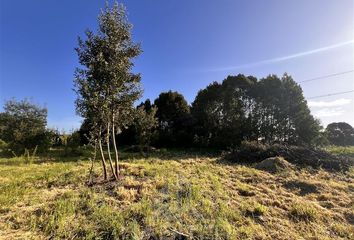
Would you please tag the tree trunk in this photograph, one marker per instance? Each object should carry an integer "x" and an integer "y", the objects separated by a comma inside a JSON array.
[
  {"x": 109, "y": 152},
  {"x": 93, "y": 159},
  {"x": 115, "y": 148},
  {"x": 102, "y": 156}
]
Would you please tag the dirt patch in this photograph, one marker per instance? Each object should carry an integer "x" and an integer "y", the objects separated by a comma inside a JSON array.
[
  {"x": 350, "y": 217},
  {"x": 304, "y": 188},
  {"x": 274, "y": 165}
]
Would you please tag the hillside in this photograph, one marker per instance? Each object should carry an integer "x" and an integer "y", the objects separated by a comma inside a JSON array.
[{"x": 173, "y": 196}]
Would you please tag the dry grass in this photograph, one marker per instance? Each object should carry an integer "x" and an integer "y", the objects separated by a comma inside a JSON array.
[{"x": 200, "y": 198}]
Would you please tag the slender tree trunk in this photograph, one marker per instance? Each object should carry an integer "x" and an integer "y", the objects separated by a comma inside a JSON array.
[
  {"x": 109, "y": 152},
  {"x": 116, "y": 166},
  {"x": 102, "y": 156},
  {"x": 92, "y": 162}
]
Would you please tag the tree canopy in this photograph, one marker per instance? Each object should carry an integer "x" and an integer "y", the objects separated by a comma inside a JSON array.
[
  {"x": 173, "y": 113},
  {"x": 242, "y": 108},
  {"x": 105, "y": 85},
  {"x": 340, "y": 133},
  {"x": 23, "y": 126}
]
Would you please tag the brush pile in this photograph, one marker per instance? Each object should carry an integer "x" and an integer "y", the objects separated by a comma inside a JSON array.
[{"x": 252, "y": 152}]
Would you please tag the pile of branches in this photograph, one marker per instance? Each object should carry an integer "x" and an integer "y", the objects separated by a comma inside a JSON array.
[{"x": 252, "y": 152}]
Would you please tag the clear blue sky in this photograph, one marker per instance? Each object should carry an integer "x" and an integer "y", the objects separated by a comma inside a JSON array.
[{"x": 187, "y": 44}]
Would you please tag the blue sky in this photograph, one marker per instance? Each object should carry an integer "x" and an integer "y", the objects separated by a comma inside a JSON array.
[{"x": 187, "y": 44}]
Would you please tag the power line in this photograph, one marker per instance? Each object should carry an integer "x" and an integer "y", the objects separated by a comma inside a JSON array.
[
  {"x": 331, "y": 94},
  {"x": 326, "y": 76}
]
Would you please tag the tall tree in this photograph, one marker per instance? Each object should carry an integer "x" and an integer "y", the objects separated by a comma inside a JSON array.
[
  {"x": 223, "y": 112},
  {"x": 174, "y": 117},
  {"x": 242, "y": 108},
  {"x": 340, "y": 133},
  {"x": 106, "y": 86},
  {"x": 207, "y": 109}
]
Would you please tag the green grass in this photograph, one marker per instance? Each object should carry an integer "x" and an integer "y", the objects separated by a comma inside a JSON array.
[
  {"x": 344, "y": 151},
  {"x": 169, "y": 194},
  {"x": 304, "y": 212}
]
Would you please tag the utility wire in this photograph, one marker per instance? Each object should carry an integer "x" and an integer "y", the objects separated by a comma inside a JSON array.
[
  {"x": 331, "y": 94},
  {"x": 326, "y": 76}
]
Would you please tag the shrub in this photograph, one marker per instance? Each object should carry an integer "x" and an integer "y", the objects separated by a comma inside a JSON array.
[
  {"x": 3, "y": 145},
  {"x": 72, "y": 146}
]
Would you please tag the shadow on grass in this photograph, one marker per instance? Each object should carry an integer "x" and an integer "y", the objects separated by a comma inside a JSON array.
[
  {"x": 58, "y": 155},
  {"x": 174, "y": 154},
  {"x": 52, "y": 156}
]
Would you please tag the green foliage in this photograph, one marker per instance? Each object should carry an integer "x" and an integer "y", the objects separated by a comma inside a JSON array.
[
  {"x": 170, "y": 107},
  {"x": 175, "y": 121},
  {"x": 3, "y": 145},
  {"x": 241, "y": 108},
  {"x": 343, "y": 151},
  {"x": 207, "y": 109},
  {"x": 23, "y": 126},
  {"x": 72, "y": 144},
  {"x": 105, "y": 85},
  {"x": 340, "y": 134},
  {"x": 145, "y": 122}
]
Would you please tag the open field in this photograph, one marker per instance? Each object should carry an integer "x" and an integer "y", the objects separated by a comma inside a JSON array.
[{"x": 173, "y": 196}]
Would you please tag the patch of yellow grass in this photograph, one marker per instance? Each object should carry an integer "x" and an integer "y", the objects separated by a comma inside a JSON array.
[{"x": 197, "y": 196}]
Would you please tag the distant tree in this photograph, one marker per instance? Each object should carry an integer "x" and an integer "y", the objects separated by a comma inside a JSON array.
[
  {"x": 242, "y": 108},
  {"x": 207, "y": 109},
  {"x": 237, "y": 108},
  {"x": 105, "y": 86},
  {"x": 23, "y": 126},
  {"x": 55, "y": 137},
  {"x": 268, "y": 93},
  {"x": 282, "y": 112},
  {"x": 174, "y": 117},
  {"x": 73, "y": 143},
  {"x": 223, "y": 112},
  {"x": 145, "y": 123},
  {"x": 340, "y": 133},
  {"x": 171, "y": 106},
  {"x": 147, "y": 105}
]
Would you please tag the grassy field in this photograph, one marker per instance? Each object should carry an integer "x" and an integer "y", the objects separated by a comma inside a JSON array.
[
  {"x": 343, "y": 151},
  {"x": 172, "y": 196}
]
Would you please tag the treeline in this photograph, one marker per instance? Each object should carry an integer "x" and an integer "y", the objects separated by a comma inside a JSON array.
[
  {"x": 269, "y": 110},
  {"x": 240, "y": 108}
]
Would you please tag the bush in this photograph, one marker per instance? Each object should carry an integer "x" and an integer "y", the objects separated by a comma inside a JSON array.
[
  {"x": 73, "y": 143},
  {"x": 3, "y": 145}
]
